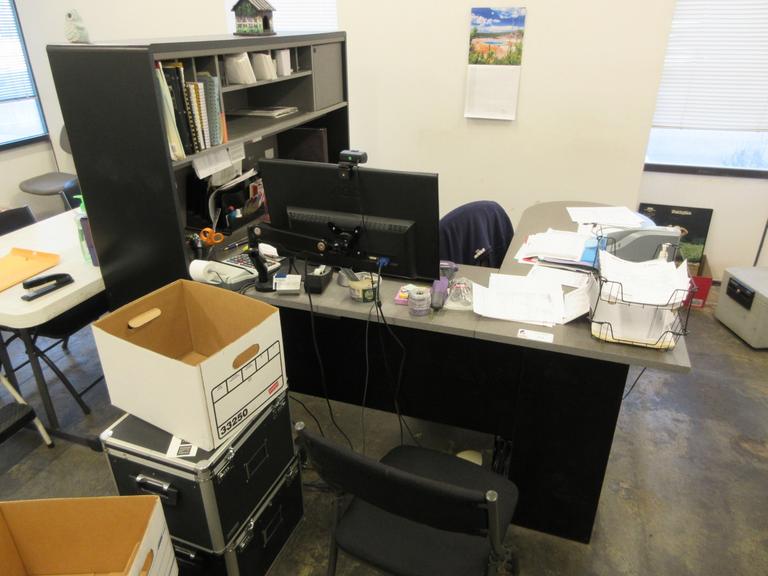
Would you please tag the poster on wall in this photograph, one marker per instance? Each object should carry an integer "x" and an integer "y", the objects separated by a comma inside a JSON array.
[
  {"x": 495, "y": 54},
  {"x": 693, "y": 224}
]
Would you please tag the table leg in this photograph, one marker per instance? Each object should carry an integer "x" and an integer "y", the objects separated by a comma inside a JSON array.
[
  {"x": 5, "y": 362},
  {"x": 42, "y": 386}
]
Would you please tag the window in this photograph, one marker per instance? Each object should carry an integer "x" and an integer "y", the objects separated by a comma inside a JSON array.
[
  {"x": 21, "y": 118},
  {"x": 305, "y": 15},
  {"x": 712, "y": 107}
]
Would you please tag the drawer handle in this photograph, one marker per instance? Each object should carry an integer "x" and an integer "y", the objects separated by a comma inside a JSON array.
[
  {"x": 165, "y": 490},
  {"x": 271, "y": 529},
  {"x": 256, "y": 461}
]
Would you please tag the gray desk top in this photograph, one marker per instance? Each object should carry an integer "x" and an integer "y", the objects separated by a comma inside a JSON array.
[{"x": 573, "y": 338}]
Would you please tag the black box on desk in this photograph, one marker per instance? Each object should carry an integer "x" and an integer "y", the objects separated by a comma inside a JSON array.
[
  {"x": 207, "y": 498},
  {"x": 253, "y": 550}
]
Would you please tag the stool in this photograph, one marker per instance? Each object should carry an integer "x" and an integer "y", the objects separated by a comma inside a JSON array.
[{"x": 50, "y": 184}]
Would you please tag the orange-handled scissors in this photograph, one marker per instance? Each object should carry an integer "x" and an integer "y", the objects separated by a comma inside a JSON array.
[{"x": 210, "y": 237}]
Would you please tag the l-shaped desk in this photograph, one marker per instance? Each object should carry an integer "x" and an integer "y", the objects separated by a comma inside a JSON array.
[{"x": 556, "y": 404}]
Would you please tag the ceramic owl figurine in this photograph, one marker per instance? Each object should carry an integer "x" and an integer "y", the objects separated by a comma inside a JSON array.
[{"x": 74, "y": 29}]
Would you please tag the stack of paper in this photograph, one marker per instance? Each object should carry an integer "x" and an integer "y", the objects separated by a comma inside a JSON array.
[
  {"x": 560, "y": 248},
  {"x": 283, "y": 59},
  {"x": 239, "y": 69},
  {"x": 530, "y": 300},
  {"x": 637, "y": 301},
  {"x": 263, "y": 66},
  {"x": 618, "y": 216}
]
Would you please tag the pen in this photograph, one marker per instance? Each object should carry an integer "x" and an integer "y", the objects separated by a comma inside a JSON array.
[{"x": 235, "y": 244}]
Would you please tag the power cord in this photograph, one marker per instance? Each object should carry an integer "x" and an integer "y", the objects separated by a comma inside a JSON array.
[
  {"x": 633, "y": 384},
  {"x": 311, "y": 415},
  {"x": 323, "y": 381},
  {"x": 367, "y": 375}
]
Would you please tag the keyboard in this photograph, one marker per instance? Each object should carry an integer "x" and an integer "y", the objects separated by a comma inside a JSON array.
[{"x": 244, "y": 261}]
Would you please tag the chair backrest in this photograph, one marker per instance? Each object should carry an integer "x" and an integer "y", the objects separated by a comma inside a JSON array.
[
  {"x": 474, "y": 226},
  {"x": 15, "y": 218},
  {"x": 437, "y": 504}
]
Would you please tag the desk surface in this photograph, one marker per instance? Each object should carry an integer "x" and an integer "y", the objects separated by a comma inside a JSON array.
[
  {"x": 59, "y": 235},
  {"x": 573, "y": 338}
]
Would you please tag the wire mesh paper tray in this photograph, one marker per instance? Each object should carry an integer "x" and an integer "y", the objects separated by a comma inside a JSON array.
[{"x": 658, "y": 326}]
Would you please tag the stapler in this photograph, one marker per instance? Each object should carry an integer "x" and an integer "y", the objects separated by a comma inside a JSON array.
[{"x": 50, "y": 283}]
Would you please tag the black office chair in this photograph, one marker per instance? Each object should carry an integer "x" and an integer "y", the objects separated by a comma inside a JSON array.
[
  {"x": 417, "y": 512},
  {"x": 477, "y": 233},
  {"x": 59, "y": 329}
]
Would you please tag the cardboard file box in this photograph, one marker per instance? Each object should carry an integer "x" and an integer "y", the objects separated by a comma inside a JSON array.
[
  {"x": 255, "y": 548},
  {"x": 207, "y": 497},
  {"x": 193, "y": 359},
  {"x": 97, "y": 536}
]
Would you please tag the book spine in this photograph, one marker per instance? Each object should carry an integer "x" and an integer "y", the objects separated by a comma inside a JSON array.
[{"x": 195, "y": 105}]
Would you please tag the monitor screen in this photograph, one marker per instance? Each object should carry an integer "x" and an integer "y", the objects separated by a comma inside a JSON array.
[{"x": 371, "y": 215}]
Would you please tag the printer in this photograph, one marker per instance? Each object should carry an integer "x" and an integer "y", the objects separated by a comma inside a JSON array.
[
  {"x": 743, "y": 304},
  {"x": 641, "y": 244}
]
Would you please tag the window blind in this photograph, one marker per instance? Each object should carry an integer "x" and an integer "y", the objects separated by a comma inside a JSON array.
[
  {"x": 305, "y": 15},
  {"x": 15, "y": 79},
  {"x": 716, "y": 68}
]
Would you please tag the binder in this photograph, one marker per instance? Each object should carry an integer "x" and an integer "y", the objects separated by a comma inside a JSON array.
[
  {"x": 263, "y": 66},
  {"x": 175, "y": 147}
]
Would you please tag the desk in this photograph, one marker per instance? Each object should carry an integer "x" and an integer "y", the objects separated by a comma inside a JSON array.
[
  {"x": 555, "y": 403},
  {"x": 59, "y": 235}
]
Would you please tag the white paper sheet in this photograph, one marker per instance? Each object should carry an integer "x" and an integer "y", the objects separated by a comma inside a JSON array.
[
  {"x": 558, "y": 275},
  {"x": 531, "y": 308},
  {"x": 492, "y": 92},
  {"x": 655, "y": 282},
  {"x": 558, "y": 244},
  {"x": 210, "y": 162},
  {"x": 606, "y": 216}
]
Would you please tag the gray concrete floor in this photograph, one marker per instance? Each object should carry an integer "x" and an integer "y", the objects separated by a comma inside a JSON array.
[{"x": 686, "y": 490}]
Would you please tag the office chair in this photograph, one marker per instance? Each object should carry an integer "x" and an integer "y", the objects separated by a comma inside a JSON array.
[
  {"x": 17, "y": 414},
  {"x": 53, "y": 183},
  {"x": 477, "y": 233},
  {"x": 59, "y": 329},
  {"x": 417, "y": 512}
]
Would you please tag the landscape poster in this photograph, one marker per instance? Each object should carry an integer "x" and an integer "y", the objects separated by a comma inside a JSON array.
[
  {"x": 496, "y": 36},
  {"x": 693, "y": 224},
  {"x": 495, "y": 55}
]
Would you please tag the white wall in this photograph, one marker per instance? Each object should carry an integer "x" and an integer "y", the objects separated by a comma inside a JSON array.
[
  {"x": 590, "y": 73},
  {"x": 740, "y": 211},
  {"x": 43, "y": 23}
]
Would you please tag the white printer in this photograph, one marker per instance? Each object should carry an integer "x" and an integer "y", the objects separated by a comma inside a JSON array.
[{"x": 743, "y": 304}]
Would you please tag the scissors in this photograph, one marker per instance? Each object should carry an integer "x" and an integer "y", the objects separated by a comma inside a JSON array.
[{"x": 210, "y": 237}]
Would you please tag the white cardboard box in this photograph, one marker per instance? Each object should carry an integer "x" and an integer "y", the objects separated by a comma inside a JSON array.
[
  {"x": 117, "y": 535},
  {"x": 195, "y": 360}
]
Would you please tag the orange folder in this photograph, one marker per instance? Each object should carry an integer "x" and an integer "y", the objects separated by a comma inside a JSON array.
[{"x": 21, "y": 264}]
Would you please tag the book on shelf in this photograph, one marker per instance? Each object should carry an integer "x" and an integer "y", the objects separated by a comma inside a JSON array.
[
  {"x": 175, "y": 145},
  {"x": 195, "y": 117},
  {"x": 283, "y": 62},
  {"x": 212, "y": 90},
  {"x": 239, "y": 69},
  {"x": 266, "y": 111},
  {"x": 174, "y": 75},
  {"x": 200, "y": 91}
]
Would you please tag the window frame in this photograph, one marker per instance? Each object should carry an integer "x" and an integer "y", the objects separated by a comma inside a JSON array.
[
  {"x": 706, "y": 170},
  {"x": 46, "y": 134}
]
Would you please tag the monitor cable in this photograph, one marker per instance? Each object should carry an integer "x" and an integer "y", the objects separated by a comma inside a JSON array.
[
  {"x": 398, "y": 383},
  {"x": 323, "y": 381}
]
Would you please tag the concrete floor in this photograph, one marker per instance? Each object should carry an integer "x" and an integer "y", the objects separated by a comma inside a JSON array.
[{"x": 686, "y": 490}]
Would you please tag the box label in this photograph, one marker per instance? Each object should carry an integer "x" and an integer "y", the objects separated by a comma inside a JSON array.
[{"x": 247, "y": 390}]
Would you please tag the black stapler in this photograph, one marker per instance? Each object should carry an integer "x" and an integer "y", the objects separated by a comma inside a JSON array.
[{"x": 50, "y": 283}]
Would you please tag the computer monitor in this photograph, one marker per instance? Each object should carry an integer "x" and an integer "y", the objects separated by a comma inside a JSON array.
[{"x": 362, "y": 215}]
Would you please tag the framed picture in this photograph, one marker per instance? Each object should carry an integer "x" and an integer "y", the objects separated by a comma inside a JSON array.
[{"x": 693, "y": 224}]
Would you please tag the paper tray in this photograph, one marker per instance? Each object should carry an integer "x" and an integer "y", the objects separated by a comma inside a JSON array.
[{"x": 20, "y": 264}]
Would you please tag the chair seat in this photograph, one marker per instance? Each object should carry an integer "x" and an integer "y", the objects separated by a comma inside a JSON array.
[
  {"x": 48, "y": 184},
  {"x": 372, "y": 533},
  {"x": 13, "y": 417}
]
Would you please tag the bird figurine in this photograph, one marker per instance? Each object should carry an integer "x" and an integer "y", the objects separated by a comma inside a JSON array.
[{"x": 74, "y": 29}]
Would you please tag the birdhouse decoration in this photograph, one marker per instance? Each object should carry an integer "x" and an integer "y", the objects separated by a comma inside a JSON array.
[{"x": 253, "y": 18}]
